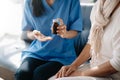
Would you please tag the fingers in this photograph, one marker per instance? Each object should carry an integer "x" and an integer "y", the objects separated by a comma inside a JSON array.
[
  {"x": 69, "y": 71},
  {"x": 43, "y": 38},
  {"x": 36, "y": 32},
  {"x": 61, "y": 21},
  {"x": 46, "y": 38},
  {"x": 58, "y": 75},
  {"x": 64, "y": 72},
  {"x": 61, "y": 72},
  {"x": 61, "y": 27},
  {"x": 39, "y": 36},
  {"x": 61, "y": 30}
]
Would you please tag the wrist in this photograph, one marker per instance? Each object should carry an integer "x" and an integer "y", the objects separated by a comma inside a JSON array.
[
  {"x": 70, "y": 34},
  {"x": 74, "y": 65},
  {"x": 66, "y": 34},
  {"x": 30, "y": 35}
]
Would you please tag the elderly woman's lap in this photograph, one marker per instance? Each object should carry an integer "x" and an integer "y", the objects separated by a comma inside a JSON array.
[
  {"x": 84, "y": 67},
  {"x": 83, "y": 78}
]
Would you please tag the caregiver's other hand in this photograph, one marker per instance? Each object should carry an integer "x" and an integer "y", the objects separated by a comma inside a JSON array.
[{"x": 39, "y": 36}]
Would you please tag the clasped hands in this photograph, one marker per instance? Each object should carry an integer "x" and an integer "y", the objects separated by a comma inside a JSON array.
[{"x": 61, "y": 31}]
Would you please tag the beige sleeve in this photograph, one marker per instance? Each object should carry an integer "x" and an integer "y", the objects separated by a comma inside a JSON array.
[{"x": 115, "y": 61}]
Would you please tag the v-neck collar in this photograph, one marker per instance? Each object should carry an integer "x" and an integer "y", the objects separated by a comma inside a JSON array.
[{"x": 51, "y": 8}]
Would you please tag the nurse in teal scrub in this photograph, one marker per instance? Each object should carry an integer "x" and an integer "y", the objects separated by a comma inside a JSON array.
[{"x": 48, "y": 52}]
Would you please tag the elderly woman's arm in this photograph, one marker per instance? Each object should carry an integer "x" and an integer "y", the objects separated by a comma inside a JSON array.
[
  {"x": 104, "y": 69},
  {"x": 83, "y": 57},
  {"x": 110, "y": 67}
]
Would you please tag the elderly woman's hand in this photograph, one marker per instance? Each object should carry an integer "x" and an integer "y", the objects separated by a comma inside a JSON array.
[{"x": 66, "y": 71}]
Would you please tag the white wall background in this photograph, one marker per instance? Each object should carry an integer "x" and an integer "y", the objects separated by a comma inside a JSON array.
[{"x": 10, "y": 16}]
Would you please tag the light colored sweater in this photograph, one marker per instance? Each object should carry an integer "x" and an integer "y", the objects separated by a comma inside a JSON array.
[{"x": 110, "y": 48}]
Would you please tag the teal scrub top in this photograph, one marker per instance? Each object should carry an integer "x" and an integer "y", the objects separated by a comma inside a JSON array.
[{"x": 58, "y": 49}]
